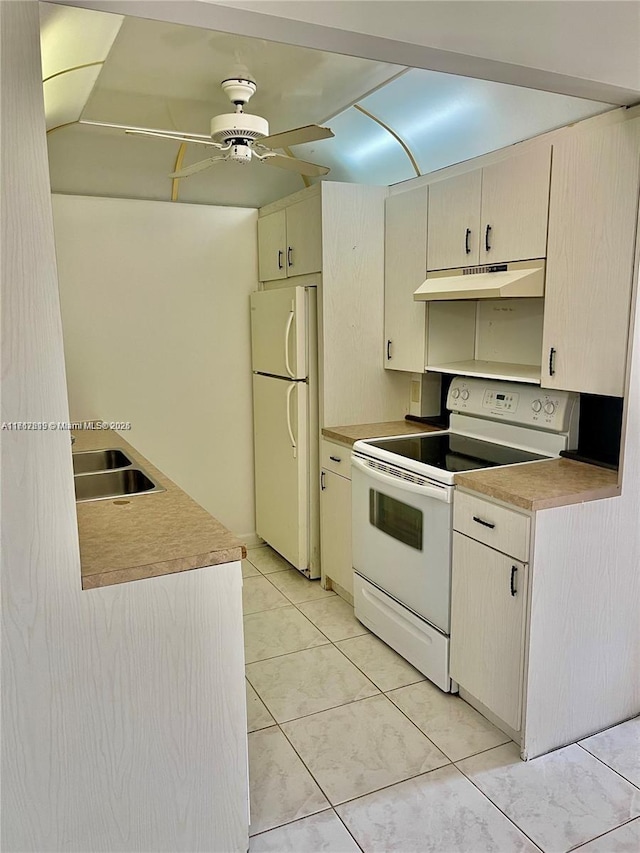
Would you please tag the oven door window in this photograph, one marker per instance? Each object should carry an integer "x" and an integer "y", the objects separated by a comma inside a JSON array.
[{"x": 397, "y": 519}]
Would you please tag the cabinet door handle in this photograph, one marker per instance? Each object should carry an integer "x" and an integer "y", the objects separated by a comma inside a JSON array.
[
  {"x": 335, "y": 459},
  {"x": 290, "y": 256},
  {"x": 280, "y": 258},
  {"x": 514, "y": 572},
  {"x": 482, "y": 522},
  {"x": 552, "y": 361},
  {"x": 487, "y": 245},
  {"x": 322, "y": 483},
  {"x": 388, "y": 350},
  {"x": 467, "y": 247}
]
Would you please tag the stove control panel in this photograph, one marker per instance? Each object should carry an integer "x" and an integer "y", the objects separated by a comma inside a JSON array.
[
  {"x": 504, "y": 401},
  {"x": 512, "y": 402}
]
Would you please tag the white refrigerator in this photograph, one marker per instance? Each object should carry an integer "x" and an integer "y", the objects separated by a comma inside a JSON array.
[{"x": 285, "y": 423}]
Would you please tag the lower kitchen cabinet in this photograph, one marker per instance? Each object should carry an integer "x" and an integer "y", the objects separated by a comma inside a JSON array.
[
  {"x": 488, "y": 599},
  {"x": 335, "y": 530}
]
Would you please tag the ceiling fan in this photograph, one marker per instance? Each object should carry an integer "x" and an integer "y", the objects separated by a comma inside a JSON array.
[{"x": 240, "y": 136}]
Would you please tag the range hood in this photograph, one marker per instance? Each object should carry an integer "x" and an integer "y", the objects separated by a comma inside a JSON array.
[{"x": 496, "y": 281}]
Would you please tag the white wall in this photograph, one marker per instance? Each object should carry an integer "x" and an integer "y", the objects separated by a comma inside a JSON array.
[{"x": 155, "y": 310}]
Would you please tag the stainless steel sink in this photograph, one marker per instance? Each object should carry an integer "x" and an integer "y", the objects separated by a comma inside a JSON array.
[
  {"x": 107, "y": 485},
  {"x": 88, "y": 461}
]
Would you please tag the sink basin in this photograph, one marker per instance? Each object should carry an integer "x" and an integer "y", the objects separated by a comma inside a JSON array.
[
  {"x": 86, "y": 462},
  {"x": 107, "y": 485}
]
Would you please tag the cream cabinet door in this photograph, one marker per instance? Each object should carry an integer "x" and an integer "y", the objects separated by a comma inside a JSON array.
[
  {"x": 488, "y": 597},
  {"x": 592, "y": 231},
  {"x": 453, "y": 229},
  {"x": 515, "y": 204},
  {"x": 304, "y": 236},
  {"x": 335, "y": 529},
  {"x": 272, "y": 246},
  {"x": 405, "y": 268}
]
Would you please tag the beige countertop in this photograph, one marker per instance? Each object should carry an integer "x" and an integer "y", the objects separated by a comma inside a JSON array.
[
  {"x": 144, "y": 536},
  {"x": 354, "y": 432},
  {"x": 542, "y": 485}
]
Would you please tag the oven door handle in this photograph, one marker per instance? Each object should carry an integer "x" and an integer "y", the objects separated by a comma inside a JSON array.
[{"x": 440, "y": 493}]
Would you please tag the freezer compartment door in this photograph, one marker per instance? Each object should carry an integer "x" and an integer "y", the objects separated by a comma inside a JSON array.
[
  {"x": 282, "y": 466},
  {"x": 279, "y": 332}
]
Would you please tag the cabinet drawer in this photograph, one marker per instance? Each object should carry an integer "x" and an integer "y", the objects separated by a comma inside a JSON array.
[
  {"x": 335, "y": 457},
  {"x": 494, "y": 525}
]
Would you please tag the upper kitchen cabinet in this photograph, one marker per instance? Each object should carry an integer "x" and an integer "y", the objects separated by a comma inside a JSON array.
[
  {"x": 592, "y": 231},
  {"x": 404, "y": 270},
  {"x": 290, "y": 241},
  {"x": 453, "y": 233},
  {"x": 515, "y": 203},
  {"x": 491, "y": 215}
]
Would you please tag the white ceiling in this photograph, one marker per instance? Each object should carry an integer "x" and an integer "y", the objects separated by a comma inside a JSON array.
[
  {"x": 167, "y": 76},
  {"x": 587, "y": 48}
]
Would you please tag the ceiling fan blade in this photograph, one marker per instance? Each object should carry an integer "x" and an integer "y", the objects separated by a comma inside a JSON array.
[
  {"x": 200, "y": 138},
  {"x": 292, "y": 164},
  {"x": 176, "y": 138},
  {"x": 195, "y": 167},
  {"x": 296, "y": 136}
]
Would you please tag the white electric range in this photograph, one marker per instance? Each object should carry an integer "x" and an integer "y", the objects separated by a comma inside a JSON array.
[{"x": 402, "y": 507}]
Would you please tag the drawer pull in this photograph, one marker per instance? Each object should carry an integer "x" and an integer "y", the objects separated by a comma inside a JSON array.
[
  {"x": 335, "y": 459},
  {"x": 514, "y": 572},
  {"x": 483, "y": 523}
]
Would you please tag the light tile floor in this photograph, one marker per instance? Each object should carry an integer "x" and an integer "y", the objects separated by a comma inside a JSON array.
[{"x": 351, "y": 749}]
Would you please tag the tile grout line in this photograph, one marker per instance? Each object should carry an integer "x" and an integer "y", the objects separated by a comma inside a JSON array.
[
  {"x": 295, "y": 604},
  {"x": 603, "y": 835},
  {"x": 360, "y": 796},
  {"x": 284, "y": 654},
  {"x": 313, "y": 713},
  {"x": 358, "y": 845},
  {"x": 495, "y": 805},
  {"x": 588, "y": 751},
  {"x": 384, "y": 692},
  {"x": 299, "y": 819}
]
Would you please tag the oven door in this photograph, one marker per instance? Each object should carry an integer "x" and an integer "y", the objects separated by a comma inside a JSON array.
[{"x": 402, "y": 537}]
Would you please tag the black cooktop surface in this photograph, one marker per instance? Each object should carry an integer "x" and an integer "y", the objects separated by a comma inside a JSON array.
[{"x": 451, "y": 452}]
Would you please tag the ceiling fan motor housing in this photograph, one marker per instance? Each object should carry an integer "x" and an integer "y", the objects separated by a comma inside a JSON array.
[{"x": 225, "y": 128}]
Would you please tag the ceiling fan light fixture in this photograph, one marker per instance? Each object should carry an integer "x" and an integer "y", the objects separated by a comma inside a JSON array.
[{"x": 240, "y": 153}]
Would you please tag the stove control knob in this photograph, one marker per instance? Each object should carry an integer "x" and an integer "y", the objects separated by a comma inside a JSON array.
[
  {"x": 455, "y": 393},
  {"x": 549, "y": 408},
  {"x": 464, "y": 394},
  {"x": 536, "y": 406}
]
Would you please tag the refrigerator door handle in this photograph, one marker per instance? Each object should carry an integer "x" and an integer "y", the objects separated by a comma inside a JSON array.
[
  {"x": 290, "y": 391},
  {"x": 287, "y": 333}
]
